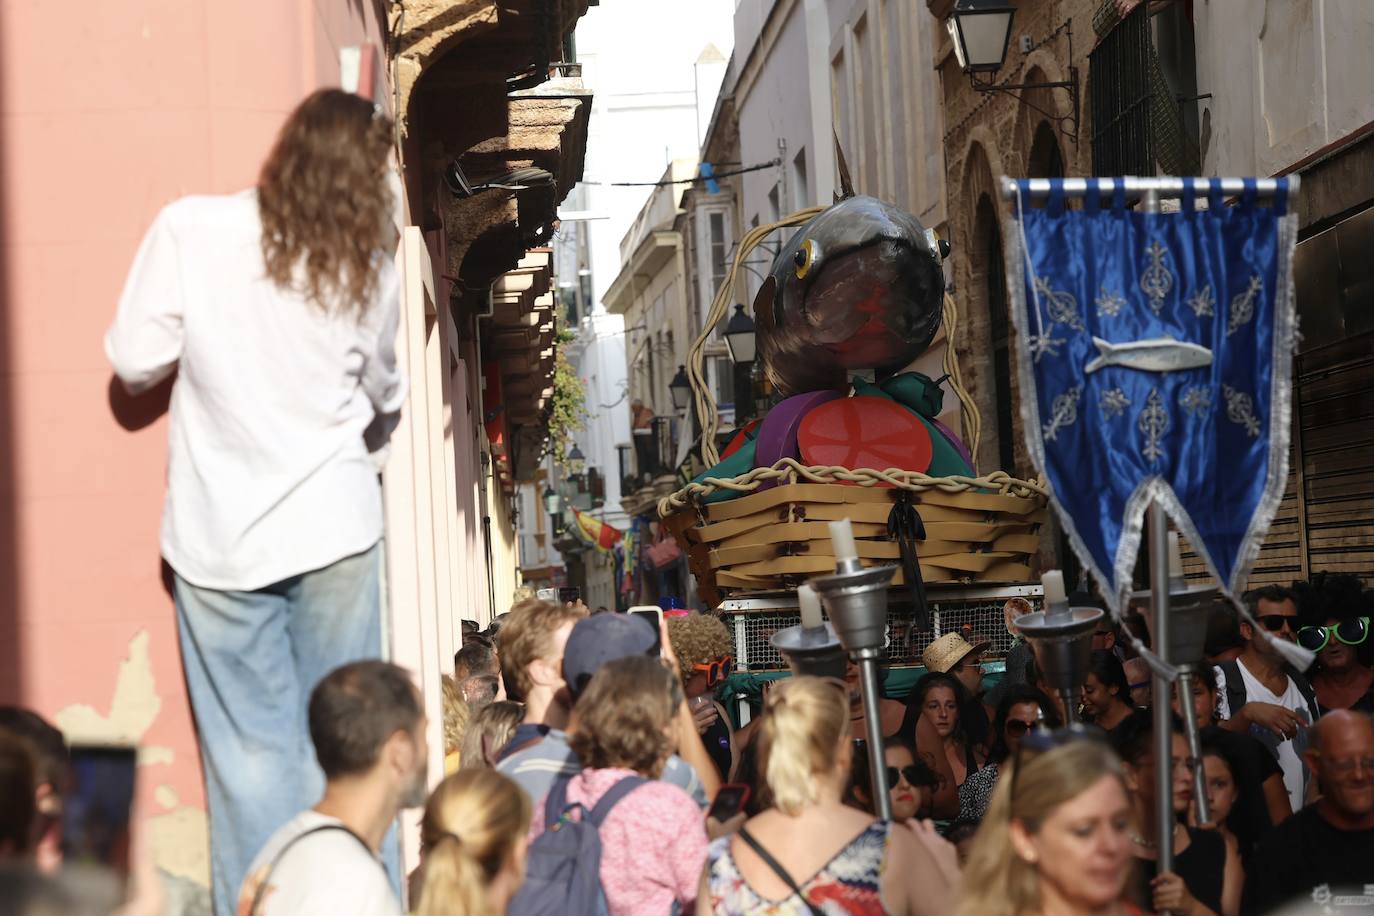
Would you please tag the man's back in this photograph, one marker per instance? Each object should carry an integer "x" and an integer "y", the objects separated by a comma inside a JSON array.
[{"x": 330, "y": 871}]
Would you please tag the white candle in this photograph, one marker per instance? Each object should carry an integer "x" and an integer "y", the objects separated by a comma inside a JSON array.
[
  {"x": 1053, "y": 583},
  {"x": 810, "y": 604},
  {"x": 1175, "y": 557},
  {"x": 842, "y": 536}
]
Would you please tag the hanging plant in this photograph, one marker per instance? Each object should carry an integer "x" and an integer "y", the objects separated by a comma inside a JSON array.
[{"x": 567, "y": 409}]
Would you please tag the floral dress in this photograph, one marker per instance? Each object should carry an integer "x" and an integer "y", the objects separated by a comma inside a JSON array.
[{"x": 850, "y": 884}]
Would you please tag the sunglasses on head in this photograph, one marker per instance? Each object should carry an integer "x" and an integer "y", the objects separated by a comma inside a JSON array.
[
  {"x": 1275, "y": 622},
  {"x": 715, "y": 671},
  {"x": 1352, "y": 632},
  {"x": 1040, "y": 740},
  {"x": 1017, "y": 727}
]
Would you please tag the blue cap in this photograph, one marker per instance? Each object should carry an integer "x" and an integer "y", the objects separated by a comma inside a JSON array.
[{"x": 603, "y": 638}]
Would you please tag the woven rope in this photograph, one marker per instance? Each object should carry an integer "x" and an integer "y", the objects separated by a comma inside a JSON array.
[
  {"x": 973, "y": 420},
  {"x": 793, "y": 471}
]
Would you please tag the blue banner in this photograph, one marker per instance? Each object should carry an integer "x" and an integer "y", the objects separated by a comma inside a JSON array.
[{"x": 1155, "y": 353}]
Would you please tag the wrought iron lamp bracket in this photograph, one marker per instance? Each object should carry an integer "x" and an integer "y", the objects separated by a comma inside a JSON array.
[{"x": 1067, "y": 124}]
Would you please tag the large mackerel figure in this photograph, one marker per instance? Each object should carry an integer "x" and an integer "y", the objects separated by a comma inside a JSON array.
[{"x": 859, "y": 287}]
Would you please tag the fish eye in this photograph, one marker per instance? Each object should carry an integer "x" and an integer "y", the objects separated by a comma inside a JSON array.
[{"x": 806, "y": 257}]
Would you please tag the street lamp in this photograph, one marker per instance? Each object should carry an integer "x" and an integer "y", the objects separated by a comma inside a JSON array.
[
  {"x": 575, "y": 455},
  {"x": 739, "y": 337},
  {"x": 981, "y": 30},
  {"x": 553, "y": 503},
  {"x": 680, "y": 389}
]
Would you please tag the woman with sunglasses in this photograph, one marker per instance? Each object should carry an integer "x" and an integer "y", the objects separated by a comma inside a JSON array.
[
  {"x": 1056, "y": 836},
  {"x": 1207, "y": 876},
  {"x": 703, "y": 648},
  {"x": 1341, "y": 679},
  {"x": 1021, "y": 710},
  {"x": 910, "y": 781}
]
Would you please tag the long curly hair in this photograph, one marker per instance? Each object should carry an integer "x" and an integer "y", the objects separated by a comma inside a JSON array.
[{"x": 324, "y": 204}]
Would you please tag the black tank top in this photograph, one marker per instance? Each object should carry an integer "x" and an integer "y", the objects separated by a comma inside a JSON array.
[
  {"x": 717, "y": 741},
  {"x": 1202, "y": 867}
]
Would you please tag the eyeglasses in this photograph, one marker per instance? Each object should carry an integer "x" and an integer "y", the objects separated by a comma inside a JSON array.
[
  {"x": 915, "y": 775},
  {"x": 1344, "y": 766},
  {"x": 716, "y": 671},
  {"x": 1352, "y": 632},
  {"x": 1018, "y": 727},
  {"x": 1275, "y": 622}
]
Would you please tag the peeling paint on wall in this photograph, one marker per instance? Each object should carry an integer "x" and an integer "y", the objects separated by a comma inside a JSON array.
[{"x": 179, "y": 838}]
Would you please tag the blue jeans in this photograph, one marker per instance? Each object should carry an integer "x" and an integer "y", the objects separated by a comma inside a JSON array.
[{"x": 252, "y": 659}]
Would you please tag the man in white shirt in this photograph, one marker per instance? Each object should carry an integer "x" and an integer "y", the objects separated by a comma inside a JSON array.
[
  {"x": 1261, "y": 694},
  {"x": 368, "y": 728},
  {"x": 277, "y": 318}
]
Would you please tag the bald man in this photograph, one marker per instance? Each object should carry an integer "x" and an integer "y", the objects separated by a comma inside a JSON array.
[{"x": 1327, "y": 847}]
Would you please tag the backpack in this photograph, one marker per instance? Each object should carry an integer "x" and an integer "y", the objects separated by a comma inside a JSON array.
[
  {"x": 1236, "y": 695},
  {"x": 563, "y": 868}
]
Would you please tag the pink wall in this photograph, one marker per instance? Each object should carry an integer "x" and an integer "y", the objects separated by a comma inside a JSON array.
[{"x": 108, "y": 111}]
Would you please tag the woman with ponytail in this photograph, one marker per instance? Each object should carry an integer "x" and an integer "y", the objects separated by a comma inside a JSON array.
[
  {"x": 844, "y": 860},
  {"x": 1056, "y": 836},
  {"x": 473, "y": 838}
]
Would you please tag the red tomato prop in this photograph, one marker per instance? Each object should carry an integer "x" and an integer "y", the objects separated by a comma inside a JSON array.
[{"x": 865, "y": 432}]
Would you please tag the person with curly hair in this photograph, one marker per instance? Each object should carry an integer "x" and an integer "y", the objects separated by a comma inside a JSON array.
[
  {"x": 274, "y": 313},
  {"x": 653, "y": 841},
  {"x": 705, "y": 651},
  {"x": 1335, "y": 611}
]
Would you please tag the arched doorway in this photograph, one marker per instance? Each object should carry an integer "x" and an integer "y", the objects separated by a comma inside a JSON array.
[
  {"x": 987, "y": 246},
  {"x": 1045, "y": 159}
]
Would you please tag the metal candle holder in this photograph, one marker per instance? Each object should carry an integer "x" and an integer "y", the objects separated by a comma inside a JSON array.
[
  {"x": 1062, "y": 640},
  {"x": 814, "y": 651},
  {"x": 1183, "y": 640},
  {"x": 856, "y": 599}
]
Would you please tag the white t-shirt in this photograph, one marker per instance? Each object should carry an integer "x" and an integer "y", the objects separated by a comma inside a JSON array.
[
  {"x": 325, "y": 874},
  {"x": 1287, "y": 750},
  {"x": 268, "y": 475}
]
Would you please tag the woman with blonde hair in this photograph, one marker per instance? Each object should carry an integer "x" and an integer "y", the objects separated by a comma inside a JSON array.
[
  {"x": 847, "y": 860},
  {"x": 273, "y": 311},
  {"x": 1056, "y": 837},
  {"x": 473, "y": 844},
  {"x": 489, "y": 731}
]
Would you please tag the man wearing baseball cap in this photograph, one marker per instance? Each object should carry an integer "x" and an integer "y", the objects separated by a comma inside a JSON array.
[{"x": 538, "y": 762}]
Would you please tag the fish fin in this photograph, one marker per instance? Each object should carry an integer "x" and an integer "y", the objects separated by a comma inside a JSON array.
[
  {"x": 1104, "y": 347},
  {"x": 846, "y": 182}
]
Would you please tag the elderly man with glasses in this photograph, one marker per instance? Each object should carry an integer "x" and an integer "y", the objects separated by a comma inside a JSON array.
[{"x": 1266, "y": 697}]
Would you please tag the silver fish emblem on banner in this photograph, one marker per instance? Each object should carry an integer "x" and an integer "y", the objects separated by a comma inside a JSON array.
[{"x": 1157, "y": 354}]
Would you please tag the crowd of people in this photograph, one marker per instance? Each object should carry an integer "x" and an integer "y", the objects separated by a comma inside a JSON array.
[{"x": 592, "y": 761}]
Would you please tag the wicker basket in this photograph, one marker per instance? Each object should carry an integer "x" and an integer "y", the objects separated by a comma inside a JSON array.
[{"x": 778, "y": 538}]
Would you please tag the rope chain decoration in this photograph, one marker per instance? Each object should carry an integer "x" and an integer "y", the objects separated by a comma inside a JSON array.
[{"x": 793, "y": 471}]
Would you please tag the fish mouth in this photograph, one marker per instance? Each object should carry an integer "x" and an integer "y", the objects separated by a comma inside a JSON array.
[{"x": 869, "y": 298}]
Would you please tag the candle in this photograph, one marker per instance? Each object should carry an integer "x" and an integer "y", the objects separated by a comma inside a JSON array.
[
  {"x": 1175, "y": 557},
  {"x": 810, "y": 604},
  {"x": 1053, "y": 582},
  {"x": 842, "y": 536}
]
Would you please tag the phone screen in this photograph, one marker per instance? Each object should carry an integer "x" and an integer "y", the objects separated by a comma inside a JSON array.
[
  {"x": 730, "y": 800},
  {"x": 547, "y": 594},
  {"x": 570, "y": 594},
  {"x": 96, "y": 812}
]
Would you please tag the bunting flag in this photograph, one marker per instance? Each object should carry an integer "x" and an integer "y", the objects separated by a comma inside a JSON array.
[
  {"x": 597, "y": 533},
  {"x": 1155, "y": 353}
]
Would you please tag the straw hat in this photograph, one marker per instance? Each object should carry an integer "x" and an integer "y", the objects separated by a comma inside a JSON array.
[{"x": 946, "y": 651}]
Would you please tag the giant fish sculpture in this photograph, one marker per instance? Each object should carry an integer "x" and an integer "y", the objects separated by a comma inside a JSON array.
[{"x": 859, "y": 287}]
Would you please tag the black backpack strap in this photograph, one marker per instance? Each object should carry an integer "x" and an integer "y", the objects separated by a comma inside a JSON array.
[
  {"x": 281, "y": 854},
  {"x": 1235, "y": 686},
  {"x": 1308, "y": 694},
  {"x": 776, "y": 866},
  {"x": 614, "y": 794}
]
